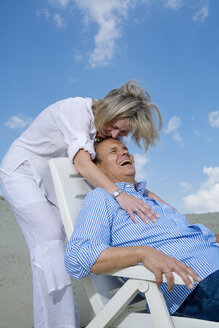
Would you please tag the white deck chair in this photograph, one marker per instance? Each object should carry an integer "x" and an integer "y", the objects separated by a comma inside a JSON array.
[{"x": 108, "y": 296}]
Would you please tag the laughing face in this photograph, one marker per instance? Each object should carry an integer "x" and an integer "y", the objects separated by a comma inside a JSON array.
[{"x": 115, "y": 161}]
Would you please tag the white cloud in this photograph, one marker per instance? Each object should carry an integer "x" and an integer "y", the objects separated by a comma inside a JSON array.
[
  {"x": 172, "y": 128},
  {"x": 55, "y": 10},
  {"x": 206, "y": 199},
  {"x": 18, "y": 122},
  {"x": 186, "y": 186},
  {"x": 213, "y": 119},
  {"x": 59, "y": 20},
  {"x": 109, "y": 16},
  {"x": 57, "y": 17},
  {"x": 140, "y": 163},
  {"x": 177, "y": 137},
  {"x": 59, "y": 3},
  {"x": 203, "y": 135},
  {"x": 174, "y": 4},
  {"x": 43, "y": 12},
  {"x": 173, "y": 124},
  {"x": 201, "y": 14}
]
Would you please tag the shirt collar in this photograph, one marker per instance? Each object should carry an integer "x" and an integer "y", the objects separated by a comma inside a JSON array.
[{"x": 140, "y": 187}]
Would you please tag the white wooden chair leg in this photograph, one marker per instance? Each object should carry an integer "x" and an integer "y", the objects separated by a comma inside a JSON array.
[
  {"x": 158, "y": 308},
  {"x": 93, "y": 296},
  {"x": 117, "y": 304}
]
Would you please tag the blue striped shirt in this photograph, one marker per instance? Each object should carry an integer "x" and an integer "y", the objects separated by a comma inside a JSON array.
[{"x": 102, "y": 223}]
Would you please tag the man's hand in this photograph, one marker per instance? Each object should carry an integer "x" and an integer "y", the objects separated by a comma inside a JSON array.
[
  {"x": 159, "y": 263},
  {"x": 133, "y": 205}
]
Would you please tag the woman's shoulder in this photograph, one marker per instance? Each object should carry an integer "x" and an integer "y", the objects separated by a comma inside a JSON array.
[
  {"x": 76, "y": 100},
  {"x": 79, "y": 104}
]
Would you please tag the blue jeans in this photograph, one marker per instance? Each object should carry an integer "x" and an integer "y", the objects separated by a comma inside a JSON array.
[{"x": 203, "y": 302}]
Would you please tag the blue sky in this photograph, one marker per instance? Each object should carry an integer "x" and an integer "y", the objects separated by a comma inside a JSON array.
[{"x": 54, "y": 49}]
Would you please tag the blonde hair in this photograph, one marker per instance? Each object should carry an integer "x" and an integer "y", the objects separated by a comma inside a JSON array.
[{"x": 134, "y": 104}]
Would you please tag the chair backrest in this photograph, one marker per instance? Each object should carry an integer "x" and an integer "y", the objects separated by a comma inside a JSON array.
[{"x": 70, "y": 190}]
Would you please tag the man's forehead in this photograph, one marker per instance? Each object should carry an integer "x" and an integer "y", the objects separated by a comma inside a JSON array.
[{"x": 109, "y": 144}]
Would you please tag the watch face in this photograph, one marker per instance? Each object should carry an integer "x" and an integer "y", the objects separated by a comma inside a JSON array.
[{"x": 117, "y": 193}]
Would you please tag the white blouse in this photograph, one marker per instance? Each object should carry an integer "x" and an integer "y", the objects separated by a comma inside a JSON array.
[{"x": 60, "y": 130}]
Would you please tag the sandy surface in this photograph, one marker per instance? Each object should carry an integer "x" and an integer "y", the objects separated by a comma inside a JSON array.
[
  {"x": 16, "y": 278},
  {"x": 15, "y": 272}
]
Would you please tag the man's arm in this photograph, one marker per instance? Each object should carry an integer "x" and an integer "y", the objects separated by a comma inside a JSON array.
[
  {"x": 217, "y": 238},
  {"x": 156, "y": 261},
  {"x": 91, "y": 235}
]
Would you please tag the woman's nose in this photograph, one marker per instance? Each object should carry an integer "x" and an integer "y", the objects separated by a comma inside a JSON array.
[{"x": 114, "y": 133}]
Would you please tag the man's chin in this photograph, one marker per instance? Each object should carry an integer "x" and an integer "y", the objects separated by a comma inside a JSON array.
[
  {"x": 128, "y": 168},
  {"x": 129, "y": 173}
]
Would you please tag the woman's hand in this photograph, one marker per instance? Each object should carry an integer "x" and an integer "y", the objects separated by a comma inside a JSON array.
[{"x": 133, "y": 205}]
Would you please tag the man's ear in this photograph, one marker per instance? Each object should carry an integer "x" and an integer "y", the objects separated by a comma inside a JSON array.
[
  {"x": 99, "y": 166},
  {"x": 97, "y": 159}
]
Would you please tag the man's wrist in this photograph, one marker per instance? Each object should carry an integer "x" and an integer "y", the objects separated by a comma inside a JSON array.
[
  {"x": 143, "y": 252},
  {"x": 116, "y": 193}
]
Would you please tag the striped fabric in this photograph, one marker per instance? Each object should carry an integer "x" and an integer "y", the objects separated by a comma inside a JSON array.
[{"x": 102, "y": 223}]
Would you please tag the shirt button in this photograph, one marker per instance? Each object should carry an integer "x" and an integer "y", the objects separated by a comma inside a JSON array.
[
  {"x": 46, "y": 249},
  {"x": 47, "y": 257}
]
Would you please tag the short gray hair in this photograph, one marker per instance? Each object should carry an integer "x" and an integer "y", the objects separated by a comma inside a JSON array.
[{"x": 134, "y": 104}]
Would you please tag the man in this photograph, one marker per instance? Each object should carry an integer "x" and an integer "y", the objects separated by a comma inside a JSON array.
[{"x": 106, "y": 238}]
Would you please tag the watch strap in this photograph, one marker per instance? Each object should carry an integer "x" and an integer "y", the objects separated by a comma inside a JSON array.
[{"x": 117, "y": 192}]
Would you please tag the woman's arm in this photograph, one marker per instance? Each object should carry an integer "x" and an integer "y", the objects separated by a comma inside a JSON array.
[{"x": 93, "y": 174}]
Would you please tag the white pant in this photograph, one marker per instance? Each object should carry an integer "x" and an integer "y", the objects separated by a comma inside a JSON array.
[{"x": 40, "y": 222}]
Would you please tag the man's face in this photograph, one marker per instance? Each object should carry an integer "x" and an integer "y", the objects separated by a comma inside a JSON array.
[{"x": 116, "y": 162}]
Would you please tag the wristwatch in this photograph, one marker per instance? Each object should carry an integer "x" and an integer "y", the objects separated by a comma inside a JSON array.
[{"x": 116, "y": 193}]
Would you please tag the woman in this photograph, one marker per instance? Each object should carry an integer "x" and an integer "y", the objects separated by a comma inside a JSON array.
[{"x": 69, "y": 128}]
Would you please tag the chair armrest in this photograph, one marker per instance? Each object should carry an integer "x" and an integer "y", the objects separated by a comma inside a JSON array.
[{"x": 141, "y": 273}]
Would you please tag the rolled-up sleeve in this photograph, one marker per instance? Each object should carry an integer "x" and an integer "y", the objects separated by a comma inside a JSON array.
[
  {"x": 91, "y": 235},
  {"x": 76, "y": 122},
  {"x": 80, "y": 256},
  {"x": 82, "y": 141}
]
